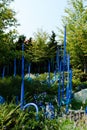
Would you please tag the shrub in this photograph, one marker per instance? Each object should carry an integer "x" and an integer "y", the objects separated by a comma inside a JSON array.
[{"x": 10, "y": 87}]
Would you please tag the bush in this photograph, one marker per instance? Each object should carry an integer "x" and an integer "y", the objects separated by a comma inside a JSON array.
[
  {"x": 75, "y": 104},
  {"x": 79, "y": 80},
  {"x": 10, "y": 87}
]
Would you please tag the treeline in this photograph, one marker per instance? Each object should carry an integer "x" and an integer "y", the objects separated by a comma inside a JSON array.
[
  {"x": 37, "y": 54},
  {"x": 41, "y": 49}
]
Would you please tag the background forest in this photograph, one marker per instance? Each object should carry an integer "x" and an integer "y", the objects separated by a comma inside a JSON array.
[{"x": 42, "y": 47}]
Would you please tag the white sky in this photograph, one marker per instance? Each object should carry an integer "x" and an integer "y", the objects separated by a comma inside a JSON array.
[{"x": 36, "y": 14}]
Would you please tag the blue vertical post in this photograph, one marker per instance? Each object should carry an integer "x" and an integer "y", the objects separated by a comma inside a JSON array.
[
  {"x": 49, "y": 73},
  {"x": 57, "y": 58},
  {"x": 3, "y": 72},
  {"x": 68, "y": 83},
  {"x": 22, "y": 83},
  {"x": 64, "y": 61},
  {"x": 14, "y": 67},
  {"x": 59, "y": 83}
]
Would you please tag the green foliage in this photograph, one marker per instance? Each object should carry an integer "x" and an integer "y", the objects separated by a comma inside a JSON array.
[
  {"x": 10, "y": 87},
  {"x": 79, "y": 79},
  {"x": 7, "y": 30},
  {"x": 52, "y": 46},
  {"x": 76, "y": 104},
  {"x": 12, "y": 117},
  {"x": 75, "y": 21}
]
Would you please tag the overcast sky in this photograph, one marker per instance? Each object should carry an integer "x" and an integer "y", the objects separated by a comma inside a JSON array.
[{"x": 36, "y": 14}]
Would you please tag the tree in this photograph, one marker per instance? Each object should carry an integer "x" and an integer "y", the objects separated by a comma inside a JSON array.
[
  {"x": 28, "y": 50},
  {"x": 8, "y": 23},
  {"x": 39, "y": 46},
  {"x": 51, "y": 49},
  {"x": 76, "y": 23}
]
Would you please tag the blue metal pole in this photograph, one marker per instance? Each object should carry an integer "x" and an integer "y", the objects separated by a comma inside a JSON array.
[
  {"x": 3, "y": 72},
  {"x": 14, "y": 67},
  {"x": 64, "y": 61},
  {"x": 64, "y": 46},
  {"x": 22, "y": 83},
  {"x": 68, "y": 83}
]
